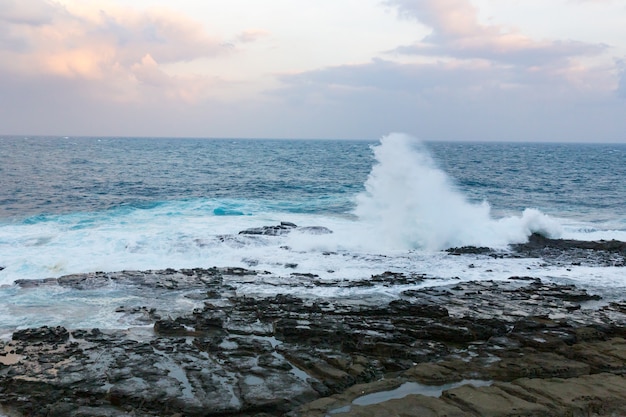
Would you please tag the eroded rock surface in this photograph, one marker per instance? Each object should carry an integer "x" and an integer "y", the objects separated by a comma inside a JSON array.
[{"x": 542, "y": 349}]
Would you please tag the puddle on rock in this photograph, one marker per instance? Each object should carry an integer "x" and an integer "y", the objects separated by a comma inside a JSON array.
[
  {"x": 253, "y": 380},
  {"x": 408, "y": 388}
]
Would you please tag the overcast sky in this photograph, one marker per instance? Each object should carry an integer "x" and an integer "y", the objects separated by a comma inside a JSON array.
[{"x": 534, "y": 70}]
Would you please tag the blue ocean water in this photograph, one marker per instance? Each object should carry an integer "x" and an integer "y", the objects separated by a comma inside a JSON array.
[
  {"x": 51, "y": 175},
  {"x": 75, "y": 205},
  {"x": 57, "y": 175}
]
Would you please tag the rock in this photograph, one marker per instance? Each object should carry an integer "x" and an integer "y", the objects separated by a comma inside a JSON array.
[
  {"x": 494, "y": 401},
  {"x": 474, "y": 250},
  {"x": 574, "y": 252},
  {"x": 536, "y": 365},
  {"x": 599, "y": 394},
  {"x": 171, "y": 328},
  {"x": 284, "y": 228},
  {"x": 315, "y": 230},
  {"x": 43, "y": 334},
  {"x": 557, "y": 251},
  {"x": 281, "y": 229},
  {"x": 244, "y": 355}
]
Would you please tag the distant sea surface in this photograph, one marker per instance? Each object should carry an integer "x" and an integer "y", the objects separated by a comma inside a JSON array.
[{"x": 72, "y": 205}]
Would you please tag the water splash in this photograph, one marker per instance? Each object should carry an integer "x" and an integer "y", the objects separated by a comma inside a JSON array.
[{"x": 410, "y": 203}]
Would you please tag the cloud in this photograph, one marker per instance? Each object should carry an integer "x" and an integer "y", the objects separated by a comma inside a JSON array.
[
  {"x": 459, "y": 100},
  {"x": 386, "y": 75},
  {"x": 466, "y": 100},
  {"x": 593, "y": 1},
  {"x": 120, "y": 51},
  {"x": 457, "y": 32},
  {"x": 458, "y": 79},
  {"x": 621, "y": 84},
  {"x": 29, "y": 12},
  {"x": 252, "y": 35}
]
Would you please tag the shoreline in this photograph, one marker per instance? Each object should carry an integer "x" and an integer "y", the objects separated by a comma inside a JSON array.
[{"x": 529, "y": 347}]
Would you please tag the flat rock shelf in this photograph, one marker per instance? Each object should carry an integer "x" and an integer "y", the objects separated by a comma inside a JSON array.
[{"x": 518, "y": 347}]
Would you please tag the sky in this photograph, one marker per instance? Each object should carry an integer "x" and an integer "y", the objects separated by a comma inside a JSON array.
[{"x": 479, "y": 70}]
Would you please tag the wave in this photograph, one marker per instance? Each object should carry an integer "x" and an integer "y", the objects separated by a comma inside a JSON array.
[
  {"x": 410, "y": 203},
  {"x": 409, "y": 210}
]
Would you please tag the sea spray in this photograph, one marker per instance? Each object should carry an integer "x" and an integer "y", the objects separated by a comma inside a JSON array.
[{"x": 409, "y": 203}]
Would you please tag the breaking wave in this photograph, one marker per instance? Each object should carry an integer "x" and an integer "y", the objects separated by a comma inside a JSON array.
[{"x": 410, "y": 203}]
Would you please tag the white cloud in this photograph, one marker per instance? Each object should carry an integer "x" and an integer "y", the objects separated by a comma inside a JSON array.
[
  {"x": 252, "y": 35},
  {"x": 29, "y": 12},
  {"x": 457, "y": 32},
  {"x": 119, "y": 50},
  {"x": 469, "y": 80}
]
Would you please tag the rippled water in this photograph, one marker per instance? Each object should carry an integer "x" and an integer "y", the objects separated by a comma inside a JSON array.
[{"x": 72, "y": 205}]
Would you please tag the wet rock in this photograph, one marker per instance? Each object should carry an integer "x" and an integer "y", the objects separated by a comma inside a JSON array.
[
  {"x": 284, "y": 228},
  {"x": 557, "y": 251},
  {"x": 406, "y": 308},
  {"x": 30, "y": 283},
  {"x": 171, "y": 328},
  {"x": 573, "y": 252},
  {"x": 278, "y": 230},
  {"x": 315, "y": 230},
  {"x": 247, "y": 355},
  {"x": 538, "y": 241},
  {"x": 474, "y": 250},
  {"x": 43, "y": 334}
]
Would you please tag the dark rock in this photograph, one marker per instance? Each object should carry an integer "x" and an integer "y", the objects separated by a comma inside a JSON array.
[
  {"x": 248, "y": 355},
  {"x": 474, "y": 250},
  {"x": 30, "y": 283},
  {"x": 573, "y": 252},
  {"x": 43, "y": 334},
  {"x": 516, "y": 278},
  {"x": 171, "y": 328},
  {"x": 284, "y": 228},
  {"x": 278, "y": 230},
  {"x": 537, "y": 241},
  {"x": 406, "y": 308}
]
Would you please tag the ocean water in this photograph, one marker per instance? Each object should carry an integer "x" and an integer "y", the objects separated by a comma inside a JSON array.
[{"x": 74, "y": 205}]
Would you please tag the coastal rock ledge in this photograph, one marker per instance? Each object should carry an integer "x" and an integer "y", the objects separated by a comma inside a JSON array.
[{"x": 520, "y": 347}]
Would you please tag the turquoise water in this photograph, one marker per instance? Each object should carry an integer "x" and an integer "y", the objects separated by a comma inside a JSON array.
[{"x": 57, "y": 175}]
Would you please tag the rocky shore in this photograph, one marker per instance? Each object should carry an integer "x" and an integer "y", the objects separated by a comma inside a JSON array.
[{"x": 519, "y": 347}]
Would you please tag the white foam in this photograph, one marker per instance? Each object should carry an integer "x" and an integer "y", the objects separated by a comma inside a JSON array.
[
  {"x": 410, "y": 203},
  {"x": 593, "y": 232},
  {"x": 409, "y": 211}
]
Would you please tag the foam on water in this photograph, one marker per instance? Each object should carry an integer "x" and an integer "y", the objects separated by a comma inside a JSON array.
[
  {"x": 408, "y": 204},
  {"x": 409, "y": 211}
]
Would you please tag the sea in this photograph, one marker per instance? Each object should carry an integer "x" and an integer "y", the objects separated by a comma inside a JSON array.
[{"x": 71, "y": 205}]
